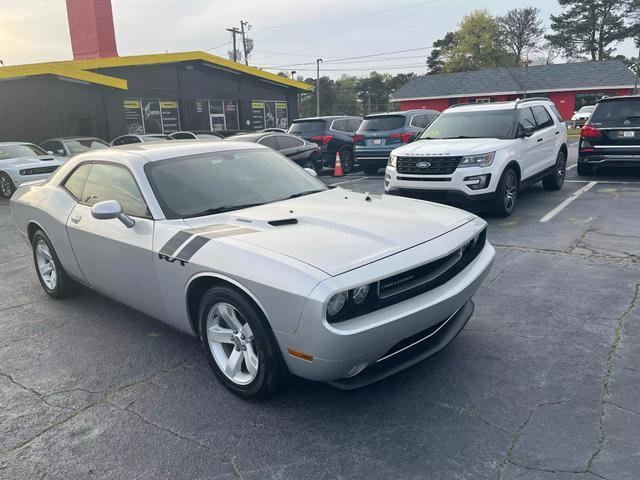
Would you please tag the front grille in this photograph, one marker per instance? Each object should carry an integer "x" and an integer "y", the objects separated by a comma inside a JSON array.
[
  {"x": 429, "y": 165},
  {"x": 39, "y": 170}
]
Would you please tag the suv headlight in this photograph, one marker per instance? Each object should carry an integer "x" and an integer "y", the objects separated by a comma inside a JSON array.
[
  {"x": 483, "y": 160},
  {"x": 392, "y": 160}
]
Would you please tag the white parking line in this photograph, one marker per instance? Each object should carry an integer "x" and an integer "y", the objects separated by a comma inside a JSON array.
[
  {"x": 571, "y": 167},
  {"x": 350, "y": 181},
  {"x": 567, "y": 202}
]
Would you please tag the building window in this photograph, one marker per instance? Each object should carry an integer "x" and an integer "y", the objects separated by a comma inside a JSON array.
[
  {"x": 583, "y": 99},
  {"x": 216, "y": 115},
  {"x": 483, "y": 100},
  {"x": 151, "y": 115},
  {"x": 269, "y": 114},
  {"x": 453, "y": 101}
]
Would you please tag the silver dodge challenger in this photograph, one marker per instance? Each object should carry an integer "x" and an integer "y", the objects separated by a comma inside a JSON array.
[{"x": 273, "y": 271}]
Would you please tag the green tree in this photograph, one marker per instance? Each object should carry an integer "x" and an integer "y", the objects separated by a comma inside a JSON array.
[
  {"x": 520, "y": 32},
  {"x": 590, "y": 27},
  {"x": 346, "y": 96},
  {"x": 438, "y": 56}
]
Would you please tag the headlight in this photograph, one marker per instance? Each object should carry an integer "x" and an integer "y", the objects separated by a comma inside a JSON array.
[
  {"x": 483, "y": 160},
  {"x": 359, "y": 294},
  {"x": 348, "y": 304},
  {"x": 392, "y": 160},
  {"x": 336, "y": 303}
]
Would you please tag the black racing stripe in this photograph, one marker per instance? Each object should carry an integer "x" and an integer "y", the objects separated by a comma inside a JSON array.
[
  {"x": 191, "y": 248},
  {"x": 174, "y": 242}
]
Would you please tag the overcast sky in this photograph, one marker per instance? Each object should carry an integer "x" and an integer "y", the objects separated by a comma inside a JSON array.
[{"x": 286, "y": 32}]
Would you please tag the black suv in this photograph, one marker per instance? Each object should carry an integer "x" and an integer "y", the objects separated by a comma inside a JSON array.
[
  {"x": 611, "y": 136},
  {"x": 332, "y": 134}
]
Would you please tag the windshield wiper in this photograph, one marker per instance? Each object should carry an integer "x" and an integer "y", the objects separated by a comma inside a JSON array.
[
  {"x": 222, "y": 209},
  {"x": 301, "y": 194}
]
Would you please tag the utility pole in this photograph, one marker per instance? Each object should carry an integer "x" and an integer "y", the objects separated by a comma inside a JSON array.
[
  {"x": 635, "y": 83},
  {"x": 318, "y": 60},
  {"x": 244, "y": 40},
  {"x": 526, "y": 71},
  {"x": 234, "y": 31}
]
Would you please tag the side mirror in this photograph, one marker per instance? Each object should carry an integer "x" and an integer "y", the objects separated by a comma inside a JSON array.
[
  {"x": 49, "y": 152},
  {"x": 311, "y": 172},
  {"x": 110, "y": 209},
  {"x": 61, "y": 152},
  {"x": 524, "y": 131}
]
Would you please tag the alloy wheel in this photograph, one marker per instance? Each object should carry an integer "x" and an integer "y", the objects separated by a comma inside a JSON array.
[
  {"x": 5, "y": 186},
  {"x": 510, "y": 191},
  {"x": 562, "y": 168},
  {"x": 46, "y": 265},
  {"x": 232, "y": 344}
]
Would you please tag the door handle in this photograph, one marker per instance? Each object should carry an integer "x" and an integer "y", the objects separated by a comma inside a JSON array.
[
  {"x": 558, "y": 132},
  {"x": 75, "y": 218},
  {"x": 539, "y": 140}
]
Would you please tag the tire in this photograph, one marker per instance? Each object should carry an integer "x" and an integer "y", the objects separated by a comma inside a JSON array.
[
  {"x": 555, "y": 180},
  {"x": 346, "y": 158},
  {"x": 370, "y": 169},
  {"x": 7, "y": 187},
  {"x": 585, "y": 169},
  {"x": 53, "y": 278},
  {"x": 506, "y": 194},
  {"x": 224, "y": 311}
]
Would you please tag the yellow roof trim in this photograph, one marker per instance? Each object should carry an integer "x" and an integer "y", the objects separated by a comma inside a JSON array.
[
  {"x": 159, "y": 58},
  {"x": 61, "y": 71}
]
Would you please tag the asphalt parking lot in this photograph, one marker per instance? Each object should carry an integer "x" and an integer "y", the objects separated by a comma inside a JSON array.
[{"x": 543, "y": 383}]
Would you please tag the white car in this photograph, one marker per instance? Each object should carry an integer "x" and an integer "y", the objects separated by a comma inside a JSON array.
[
  {"x": 480, "y": 156},
  {"x": 23, "y": 162},
  {"x": 581, "y": 116}
]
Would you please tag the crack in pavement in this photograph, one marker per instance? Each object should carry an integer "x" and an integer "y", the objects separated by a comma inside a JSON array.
[
  {"x": 41, "y": 396},
  {"x": 37, "y": 335},
  {"x": 609, "y": 372},
  {"x": 549, "y": 251}
]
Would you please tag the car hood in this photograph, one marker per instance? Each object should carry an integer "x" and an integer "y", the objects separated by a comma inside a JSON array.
[
  {"x": 41, "y": 160},
  {"x": 339, "y": 230},
  {"x": 454, "y": 147}
]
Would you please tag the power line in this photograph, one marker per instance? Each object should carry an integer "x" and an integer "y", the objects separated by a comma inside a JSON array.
[{"x": 218, "y": 46}]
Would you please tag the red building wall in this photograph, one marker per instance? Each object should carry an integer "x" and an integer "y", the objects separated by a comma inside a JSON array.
[{"x": 565, "y": 101}]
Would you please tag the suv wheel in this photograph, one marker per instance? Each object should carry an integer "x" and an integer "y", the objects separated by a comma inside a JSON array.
[
  {"x": 555, "y": 179},
  {"x": 346, "y": 158},
  {"x": 6, "y": 185},
  {"x": 585, "y": 169},
  {"x": 506, "y": 194}
]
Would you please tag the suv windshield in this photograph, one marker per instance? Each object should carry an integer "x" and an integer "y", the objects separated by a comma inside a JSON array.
[
  {"x": 382, "y": 123},
  {"x": 85, "y": 144},
  {"x": 217, "y": 182},
  {"x": 472, "y": 124},
  {"x": 307, "y": 126},
  {"x": 17, "y": 151},
  {"x": 614, "y": 113}
]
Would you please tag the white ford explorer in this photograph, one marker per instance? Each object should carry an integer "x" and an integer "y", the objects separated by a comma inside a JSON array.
[{"x": 479, "y": 156}]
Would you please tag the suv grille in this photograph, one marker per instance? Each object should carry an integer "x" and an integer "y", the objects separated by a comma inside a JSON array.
[{"x": 429, "y": 165}]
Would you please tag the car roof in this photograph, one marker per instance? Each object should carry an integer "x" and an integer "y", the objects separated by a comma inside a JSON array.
[
  {"x": 508, "y": 105},
  {"x": 6, "y": 144},
  {"x": 404, "y": 113},
  {"x": 618, "y": 98},
  {"x": 80, "y": 137},
  {"x": 328, "y": 117}
]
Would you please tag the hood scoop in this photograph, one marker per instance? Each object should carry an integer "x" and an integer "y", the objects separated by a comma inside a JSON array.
[{"x": 283, "y": 222}]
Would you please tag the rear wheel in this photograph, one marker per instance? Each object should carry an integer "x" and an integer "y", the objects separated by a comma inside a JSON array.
[
  {"x": 53, "y": 278},
  {"x": 346, "y": 158},
  {"x": 555, "y": 179},
  {"x": 239, "y": 344},
  {"x": 506, "y": 194},
  {"x": 585, "y": 169},
  {"x": 7, "y": 186}
]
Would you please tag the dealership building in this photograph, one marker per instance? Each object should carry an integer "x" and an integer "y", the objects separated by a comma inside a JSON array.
[
  {"x": 570, "y": 85},
  {"x": 105, "y": 95}
]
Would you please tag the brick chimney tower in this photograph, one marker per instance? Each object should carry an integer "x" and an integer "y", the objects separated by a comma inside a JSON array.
[{"x": 91, "y": 29}]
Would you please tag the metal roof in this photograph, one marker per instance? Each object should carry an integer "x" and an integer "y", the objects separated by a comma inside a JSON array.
[
  {"x": 510, "y": 80},
  {"x": 83, "y": 70}
]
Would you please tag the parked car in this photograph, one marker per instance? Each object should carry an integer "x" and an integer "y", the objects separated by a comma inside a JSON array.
[
  {"x": 380, "y": 133},
  {"x": 131, "y": 138},
  {"x": 581, "y": 116},
  {"x": 195, "y": 135},
  {"x": 611, "y": 136},
  {"x": 279, "y": 130},
  {"x": 70, "y": 146},
  {"x": 23, "y": 162},
  {"x": 273, "y": 271},
  {"x": 332, "y": 134},
  {"x": 480, "y": 155},
  {"x": 304, "y": 153}
]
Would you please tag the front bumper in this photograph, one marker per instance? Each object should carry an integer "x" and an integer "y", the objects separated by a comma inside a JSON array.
[{"x": 343, "y": 350}]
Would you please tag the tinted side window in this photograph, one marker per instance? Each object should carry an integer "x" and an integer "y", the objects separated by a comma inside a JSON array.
[
  {"x": 543, "y": 118},
  {"x": 431, "y": 117},
  {"x": 285, "y": 142},
  {"x": 339, "y": 125},
  {"x": 555, "y": 111},
  {"x": 75, "y": 182},
  {"x": 111, "y": 182},
  {"x": 527, "y": 119},
  {"x": 183, "y": 136},
  {"x": 271, "y": 142},
  {"x": 123, "y": 140},
  {"x": 55, "y": 147},
  {"x": 419, "y": 121},
  {"x": 355, "y": 124}
]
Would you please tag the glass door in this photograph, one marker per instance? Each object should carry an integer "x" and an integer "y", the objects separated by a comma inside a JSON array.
[{"x": 217, "y": 122}]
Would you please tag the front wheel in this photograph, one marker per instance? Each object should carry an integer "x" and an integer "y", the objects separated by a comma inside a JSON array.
[
  {"x": 346, "y": 158},
  {"x": 555, "y": 179},
  {"x": 506, "y": 194},
  {"x": 54, "y": 280},
  {"x": 7, "y": 187},
  {"x": 239, "y": 344}
]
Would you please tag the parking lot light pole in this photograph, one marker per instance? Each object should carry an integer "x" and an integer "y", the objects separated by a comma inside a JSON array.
[
  {"x": 635, "y": 83},
  {"x": 318, "y": 60}
]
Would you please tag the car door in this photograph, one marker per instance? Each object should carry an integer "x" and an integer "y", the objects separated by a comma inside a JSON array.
[
  {"x": 115, "y": 260},
  {"x": 528, "y": 145},
  {"x": 546, "y": 138}
]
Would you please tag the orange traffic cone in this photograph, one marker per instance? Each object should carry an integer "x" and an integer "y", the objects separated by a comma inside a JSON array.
[{"x": 337, "y": 170}]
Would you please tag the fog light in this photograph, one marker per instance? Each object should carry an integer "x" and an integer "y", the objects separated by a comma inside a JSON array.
[
  {"x": 478, "y": 182},
  {"x": 356, "y": 369}
]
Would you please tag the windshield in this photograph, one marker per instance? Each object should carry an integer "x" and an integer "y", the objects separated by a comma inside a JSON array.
[
  {"x": 472, "y": 124},
  {"x": 85, "y": 144},
  {"x": 617, "y": 113},
  {"x": 382, "y": 123},
  {"x": 17, "y": 151},
  {"x": 215, "y": 182},
  {"x": 307, "y": 126}
]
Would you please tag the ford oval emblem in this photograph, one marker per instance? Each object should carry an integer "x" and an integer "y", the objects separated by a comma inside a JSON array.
[{"x": 423, "y": 164}]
